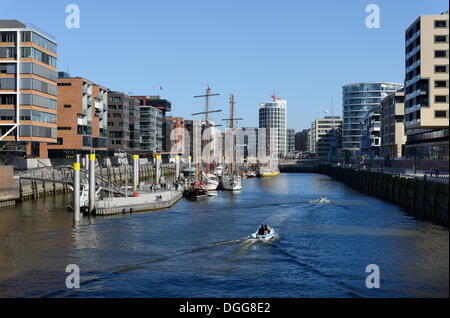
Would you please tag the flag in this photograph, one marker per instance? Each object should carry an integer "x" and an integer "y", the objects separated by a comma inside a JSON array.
[
  {"x": 326, "y": 111},
  {"x": 160, "y": 88}
]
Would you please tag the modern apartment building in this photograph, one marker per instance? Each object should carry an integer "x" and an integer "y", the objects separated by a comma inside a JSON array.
[
  {"x": 392, "y": 111},
  {"x": 28, "y": 88},
  {"x": 323, "y": 132},
  {"x": 123, "y": 122},
  {"x": 427, "y": 87},
  {"x": 359, "y": 100},
  {"x": 152, "y": 113},
  {"x": 83, "y": 120},
  {"x": 290, "y": 141},
  {"x": 371, "y": 137},
  {"x": 173, "y": 132},
  {"x": 273, "y": 117},
  {"x": 302, "y": 139}
]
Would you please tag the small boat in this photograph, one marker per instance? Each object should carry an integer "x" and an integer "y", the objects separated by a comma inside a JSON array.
[
  {"x": 268, "y": 171},
  {"x": 263, "y": 235},
  {"x": 231, "y": 182},
  {"x": 251, "y": 174},
  {"x": 195, "y": 193},
  {"x": 321, "y": 200},
  {"x": 84, "y": 198}
]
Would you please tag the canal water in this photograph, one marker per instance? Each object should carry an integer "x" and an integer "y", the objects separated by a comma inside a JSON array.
[{"x": 200, "y": 249}]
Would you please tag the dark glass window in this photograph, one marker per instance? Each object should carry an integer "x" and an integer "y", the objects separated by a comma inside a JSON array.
[
  {"x": 440, "y": 23},
  {"x": 440, "y": 38},
  {"x": 67, "y": 106},
  {"x": 439, "y": 84},
  {"x": 440, "y": 98},
  {"x": 440, "y": 113},
  {"x": 440, "y": 53},
  {"x": 440, "y": 68}
]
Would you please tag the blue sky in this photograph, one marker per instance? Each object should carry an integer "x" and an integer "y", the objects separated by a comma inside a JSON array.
[{"x": 304, "y": 50}]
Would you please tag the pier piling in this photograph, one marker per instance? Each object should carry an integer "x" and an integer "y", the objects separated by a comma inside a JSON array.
[
  {"x": 76, "y": 190},
  {"x": 91, "y": 183}
]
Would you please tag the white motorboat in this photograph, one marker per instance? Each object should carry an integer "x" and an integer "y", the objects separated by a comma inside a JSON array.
[
  {"x": 84, "y": 198},
  {"x": 231, "y": 182},
  {"x": 263, "y": 234}
]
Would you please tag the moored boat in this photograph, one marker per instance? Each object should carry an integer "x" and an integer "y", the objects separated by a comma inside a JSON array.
[{"x": 231, "y": 182}]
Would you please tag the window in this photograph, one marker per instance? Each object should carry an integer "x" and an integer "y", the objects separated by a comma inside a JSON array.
[
  {"x": 7, "y": 36},
  {"x": 64, "y": 128},
  {"x": 64, "y": 84},
  {"x": 440, "y": 68},
  {"x": 440, "y": 84},
  {"x": 440, "y": 23},
  {"x": 67, "y": 106},
  {"x": 440, "y": 38},
  {"x": 440, "y": 113},
  {"x": 440, "y": 99},
  {"x": 440, "y": 53}
]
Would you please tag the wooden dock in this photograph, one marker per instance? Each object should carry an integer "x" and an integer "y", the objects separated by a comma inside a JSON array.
[{"x": 143, "y": 202}]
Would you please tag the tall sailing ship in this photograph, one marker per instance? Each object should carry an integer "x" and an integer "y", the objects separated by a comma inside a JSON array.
[{"x": 231, "y": 180}]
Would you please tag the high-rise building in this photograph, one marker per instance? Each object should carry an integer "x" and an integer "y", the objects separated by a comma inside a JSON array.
[
  {"x": 28, "y": 88},
  {"x": 152, "y": 110},
  {"x": 427, "y": 87},
  {"x": 290, "y": 141},
  {"x": 323, "y": 130},
  {"x": 359, "y": 100},
  {"x": 123, "y": 122},
  {"x": 83, "y": 121},
  {"x": 273, "y": 117},
  {"x": 392, "y": 111}
]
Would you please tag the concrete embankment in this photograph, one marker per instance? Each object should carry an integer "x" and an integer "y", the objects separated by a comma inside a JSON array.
[{"x": 424, "y": 199}]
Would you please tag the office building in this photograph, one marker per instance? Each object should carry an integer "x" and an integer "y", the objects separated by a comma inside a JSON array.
[
  {"x": 323, "y": 130},
  {"x": 427, "y": 87},
  {"x": 28, "y": 88}
]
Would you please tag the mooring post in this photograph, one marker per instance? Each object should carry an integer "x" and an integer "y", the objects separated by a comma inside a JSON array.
[
  {"x": 177, "y": 167},
  {"x": 91, "y": 182},
  {"x": 76, "y": 190},
  {"x": 158, "y": 168},
  {"x": 86, "y": 161},
  {"x": 189, "y": 158},
  {"x": 135, "y": 173}
]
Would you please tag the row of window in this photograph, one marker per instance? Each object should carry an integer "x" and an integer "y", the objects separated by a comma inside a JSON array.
[
  {"x": 31, "y": 52},
  {"x": 36, "y": 115},
  {"x": 37, "y": 131},
  {"x": 32, "y": 83},
  {"x": 28, "y": 36}
]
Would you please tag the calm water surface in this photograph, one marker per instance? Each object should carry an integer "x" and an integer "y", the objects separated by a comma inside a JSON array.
[{"x": 199, "y": 249}]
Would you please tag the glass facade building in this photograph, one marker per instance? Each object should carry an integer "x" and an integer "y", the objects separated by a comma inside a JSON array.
[{"x": 359, "y": 100}]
